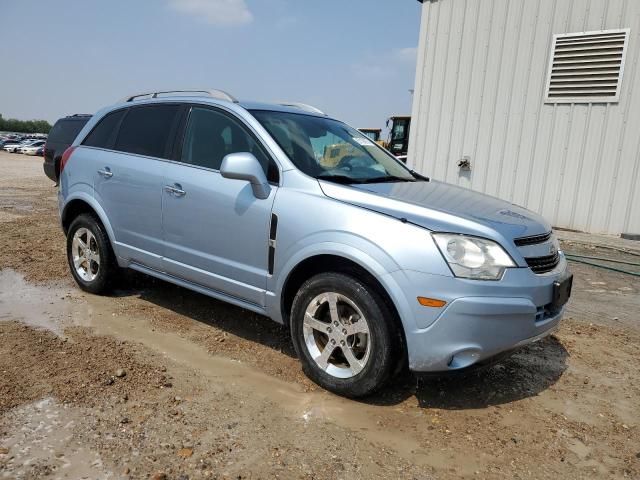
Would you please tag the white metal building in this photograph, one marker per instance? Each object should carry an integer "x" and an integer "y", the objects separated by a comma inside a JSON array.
[{"x": 542, "y": 97}]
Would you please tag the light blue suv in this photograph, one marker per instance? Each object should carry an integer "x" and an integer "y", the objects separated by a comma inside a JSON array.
[{"x": 284, "y": 211}]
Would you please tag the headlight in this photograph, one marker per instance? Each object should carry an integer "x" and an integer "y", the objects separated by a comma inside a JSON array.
[{"x": 473, "y": 257}]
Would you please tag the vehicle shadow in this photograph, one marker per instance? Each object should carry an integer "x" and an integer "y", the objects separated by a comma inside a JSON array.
[{"x": 526, "y": 373}]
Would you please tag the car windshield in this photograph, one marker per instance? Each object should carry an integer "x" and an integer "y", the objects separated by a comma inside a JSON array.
[{"x": 330, "y": 150}]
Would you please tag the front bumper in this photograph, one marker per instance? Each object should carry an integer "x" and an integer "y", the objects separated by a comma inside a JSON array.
[
  {"x": 475, "y": 329},
  {"x": 480, "y": 320}
]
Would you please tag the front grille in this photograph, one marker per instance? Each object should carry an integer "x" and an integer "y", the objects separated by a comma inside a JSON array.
[
  {"x": 543, "y": 264},
  {"x": 532, "y": 240}
]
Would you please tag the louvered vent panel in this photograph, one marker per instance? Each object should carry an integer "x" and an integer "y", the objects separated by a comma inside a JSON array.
[{"x": 587, "y": 67}]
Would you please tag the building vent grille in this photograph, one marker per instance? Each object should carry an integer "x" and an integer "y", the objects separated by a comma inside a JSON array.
[{"x": 586, "y": 67}]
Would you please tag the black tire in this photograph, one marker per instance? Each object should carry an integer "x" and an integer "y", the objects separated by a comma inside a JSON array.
[
  {"x": 107, "y": 268},
  {"x": 385, "y": 349}
]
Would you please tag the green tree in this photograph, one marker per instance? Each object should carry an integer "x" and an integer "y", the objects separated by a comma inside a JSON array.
[{"x": 24, "y": 126}]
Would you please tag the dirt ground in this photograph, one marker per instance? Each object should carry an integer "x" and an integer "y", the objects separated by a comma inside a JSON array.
[{"x": 159, "y": 382}]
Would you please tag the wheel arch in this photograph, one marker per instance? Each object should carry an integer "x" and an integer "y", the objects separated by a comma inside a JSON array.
[
  {"x": 335, "y": 262},
  {"x": 84, "y": 204}
]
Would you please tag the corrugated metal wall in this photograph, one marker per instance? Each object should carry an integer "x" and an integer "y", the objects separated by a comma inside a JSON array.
[{"x": 479, "y": 92}]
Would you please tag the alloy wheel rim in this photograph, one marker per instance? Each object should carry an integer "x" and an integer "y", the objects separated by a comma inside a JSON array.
[
  {"x": 336, "y": 335},
  {"x": 85, "y": 254}
]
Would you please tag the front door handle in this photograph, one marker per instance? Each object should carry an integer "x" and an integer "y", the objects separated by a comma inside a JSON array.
[
  {"x": 175, "y": 189},
  {"x": 106, "y": 172}
]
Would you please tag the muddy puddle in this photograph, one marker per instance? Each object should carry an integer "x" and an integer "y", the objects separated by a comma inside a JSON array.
[
  {"x": 36, "y": 306},
  {"x": 42, "y": 442},
  {"x": 56, "y": 308}
]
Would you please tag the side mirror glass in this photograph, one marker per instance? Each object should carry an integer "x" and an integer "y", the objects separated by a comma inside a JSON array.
[{"x": 245, "y": 166}]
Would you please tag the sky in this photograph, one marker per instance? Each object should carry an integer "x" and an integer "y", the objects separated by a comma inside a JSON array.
[{"x": 353, "y": 59}]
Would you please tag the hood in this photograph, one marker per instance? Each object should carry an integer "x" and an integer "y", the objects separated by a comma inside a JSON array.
[{"x": 442, "y": 207}]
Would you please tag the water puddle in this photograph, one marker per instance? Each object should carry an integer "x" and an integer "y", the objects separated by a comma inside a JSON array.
[
  {"x": 225, "y": 373},
  {"x": 55, "y": 309},
  {"x": 39, "y": 441},
  {"x": 35, "y": 306}
]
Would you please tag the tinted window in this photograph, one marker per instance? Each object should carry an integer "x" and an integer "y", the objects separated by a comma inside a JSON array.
[
  {"x": 65, "y": 131},
  {"x": 211, "y": 135},
  {"x": 145, "y": 130},
  {"x": 103, "y": 134}
]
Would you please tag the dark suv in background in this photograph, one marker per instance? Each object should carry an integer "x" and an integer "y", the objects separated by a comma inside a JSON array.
[{"x": 60, "y": 137}]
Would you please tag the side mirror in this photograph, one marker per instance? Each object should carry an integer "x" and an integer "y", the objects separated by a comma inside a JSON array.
[{"x": 245, "y": 166}]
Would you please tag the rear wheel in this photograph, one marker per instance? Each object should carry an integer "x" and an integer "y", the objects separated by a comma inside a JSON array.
[
  {"x": 89, "y": 254},
  {"x": 344, "y": 334}
]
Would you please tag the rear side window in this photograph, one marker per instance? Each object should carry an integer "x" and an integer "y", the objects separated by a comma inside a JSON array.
[
  {"x": 145, "y": 130},
  {"x": 65, "y": 131},
  {"x": 103, "y": 134},
  {"x": 211, "y": 135}
]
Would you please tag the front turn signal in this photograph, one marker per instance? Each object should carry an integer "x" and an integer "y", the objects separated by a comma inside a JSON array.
[{"x": 431, "y": 302}]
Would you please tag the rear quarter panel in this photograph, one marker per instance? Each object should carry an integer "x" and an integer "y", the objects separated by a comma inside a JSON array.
[{"x": 77, "y": 183}]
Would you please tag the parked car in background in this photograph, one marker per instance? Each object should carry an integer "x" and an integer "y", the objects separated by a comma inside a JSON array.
[
  {"x": 32, "y": 149},
  {"x": 14, "y": 147},
  {"x": 289, "y": 213},
  {"x": 62, "y": 134}
]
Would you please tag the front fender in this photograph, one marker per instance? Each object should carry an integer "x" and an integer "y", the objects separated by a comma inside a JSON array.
[
  {"x": 366, "y": 261},
  {"x": 380, "y": 266}
]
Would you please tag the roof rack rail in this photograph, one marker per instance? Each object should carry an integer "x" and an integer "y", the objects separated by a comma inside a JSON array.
[
  {"x": 303, "y": 106},
  {"x": 219, "y": 94}
]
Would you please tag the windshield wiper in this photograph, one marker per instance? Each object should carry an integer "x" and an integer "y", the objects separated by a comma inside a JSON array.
[
  {"x": 343, "y": 179},
  {"x": 419, "y": 176},
  {"x": 346, "y": 180},
  {"x": 387, "y": 179}
]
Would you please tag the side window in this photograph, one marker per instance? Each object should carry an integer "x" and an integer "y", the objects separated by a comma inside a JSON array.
[
  {"x": 210, "y": 135},
  {"x": 65, "y": 131},
  {"x": 145, "y": 130},
  {"x": 103, "y": 134}
]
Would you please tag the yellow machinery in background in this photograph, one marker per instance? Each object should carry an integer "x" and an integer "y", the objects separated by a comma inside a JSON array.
[
  {"x": 374, "y": 134},
  {"x": 398, "y": 140},
  {"x": 398, "y": 143},
  {"x": 336, "y": 152}
]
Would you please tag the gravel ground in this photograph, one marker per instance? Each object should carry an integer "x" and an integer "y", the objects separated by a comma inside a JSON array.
[{"x": 159, "y": 382}]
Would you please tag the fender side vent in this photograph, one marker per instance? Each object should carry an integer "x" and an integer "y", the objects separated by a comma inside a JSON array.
[{"x": 273, "y": 231}]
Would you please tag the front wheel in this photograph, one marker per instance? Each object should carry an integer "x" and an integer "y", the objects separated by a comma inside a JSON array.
[{"x": 344, "y": 335}]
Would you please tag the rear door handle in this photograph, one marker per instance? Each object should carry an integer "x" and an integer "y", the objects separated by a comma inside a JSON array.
[
  {"x": 106, "y": 172},
  {"x": 175, "y": 189}
]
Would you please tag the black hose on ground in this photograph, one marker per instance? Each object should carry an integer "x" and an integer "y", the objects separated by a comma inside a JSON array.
[
  {"x": 572, "y": 258},
  {"x": 635, "y": 264}
]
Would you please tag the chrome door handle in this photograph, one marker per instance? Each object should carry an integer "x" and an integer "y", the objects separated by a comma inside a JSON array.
[
  {"x": 106, "y": 172},
  {"x": 175, "y": 190}
]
